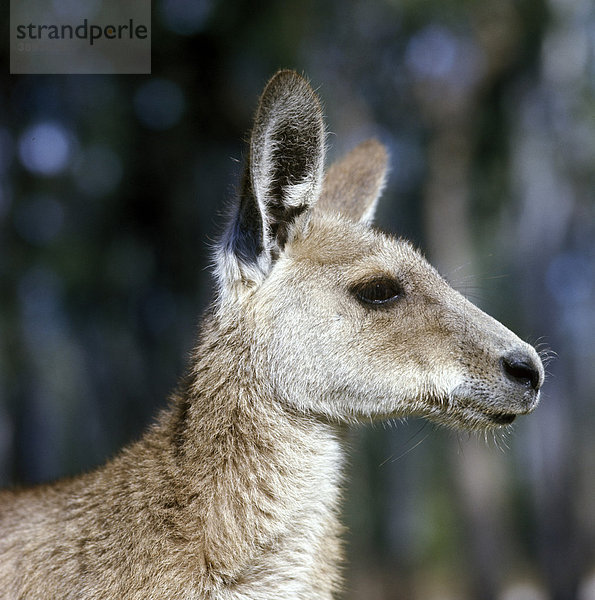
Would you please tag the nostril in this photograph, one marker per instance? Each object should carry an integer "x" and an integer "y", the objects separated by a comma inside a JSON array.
[{"x": 521, "y": 369}]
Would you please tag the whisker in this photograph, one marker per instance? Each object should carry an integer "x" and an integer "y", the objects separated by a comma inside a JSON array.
[{"x": 392, "y": 458}]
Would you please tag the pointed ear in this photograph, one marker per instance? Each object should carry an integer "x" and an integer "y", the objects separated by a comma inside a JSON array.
[
  {"x": 282, "y": 180},
  {"x": 353, "y": 185}
]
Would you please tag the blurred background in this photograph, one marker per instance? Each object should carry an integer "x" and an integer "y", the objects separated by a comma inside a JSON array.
[{"x": 113, "y": 188}]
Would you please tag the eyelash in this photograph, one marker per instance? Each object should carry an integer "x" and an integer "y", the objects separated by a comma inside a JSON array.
[{"x": 378, "y": 292}]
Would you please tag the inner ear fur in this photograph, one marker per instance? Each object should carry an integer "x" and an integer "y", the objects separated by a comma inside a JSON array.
[
  {"x": 283, "y": 176},
  {"x": 286, "y": 159}
]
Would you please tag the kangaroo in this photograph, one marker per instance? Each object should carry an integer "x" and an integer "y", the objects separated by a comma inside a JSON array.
[{"x": 319, "y": 321}]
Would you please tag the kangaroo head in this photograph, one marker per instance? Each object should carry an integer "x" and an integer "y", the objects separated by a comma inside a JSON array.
[{"x": 341, "y": 320}]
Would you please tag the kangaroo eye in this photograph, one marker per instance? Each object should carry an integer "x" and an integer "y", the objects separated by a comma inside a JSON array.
[{"x": 378, "y": 292}]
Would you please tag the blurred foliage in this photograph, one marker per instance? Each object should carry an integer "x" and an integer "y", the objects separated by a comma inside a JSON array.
[{"x": 113, "y": 188}]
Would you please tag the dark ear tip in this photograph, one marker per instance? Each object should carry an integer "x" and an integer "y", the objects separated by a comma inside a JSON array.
[{"x": 287, "y": 84}]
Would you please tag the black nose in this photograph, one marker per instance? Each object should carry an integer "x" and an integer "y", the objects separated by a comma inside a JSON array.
[{"x": 521, "y": 369}]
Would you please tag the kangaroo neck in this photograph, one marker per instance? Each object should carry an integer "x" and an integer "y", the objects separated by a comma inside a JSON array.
[{"x": 263, "y": 481}]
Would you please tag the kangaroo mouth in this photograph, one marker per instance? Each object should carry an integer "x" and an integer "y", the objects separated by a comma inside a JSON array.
[
  {"x": 474, "y": 407},
  {"x": 467, "y": 416},
  {"x": 487, "y": 417}
]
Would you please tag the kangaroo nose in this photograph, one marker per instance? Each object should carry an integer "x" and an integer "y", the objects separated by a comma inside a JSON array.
[{"x": 522, "y": 369}]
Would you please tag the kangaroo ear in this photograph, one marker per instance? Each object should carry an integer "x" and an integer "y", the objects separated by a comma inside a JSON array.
[
  {"x": 353, "y": 184},
  {"x": 282, "y": 180}
]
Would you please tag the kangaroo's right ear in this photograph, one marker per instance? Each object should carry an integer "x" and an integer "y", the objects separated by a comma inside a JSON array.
[{"x": 282, "y": 180}]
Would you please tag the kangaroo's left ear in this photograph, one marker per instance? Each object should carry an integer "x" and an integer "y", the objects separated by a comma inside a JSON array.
[
  {"x": 354, "y": 183},
  {"x": 282, "y": 180}
]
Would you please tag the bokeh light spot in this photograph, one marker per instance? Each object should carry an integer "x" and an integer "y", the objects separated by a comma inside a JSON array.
[
  {"x": 432, "y": 52},
  {"x": 45, "y": 148}
]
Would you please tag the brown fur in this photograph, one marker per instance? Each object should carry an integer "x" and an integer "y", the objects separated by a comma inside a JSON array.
[{"x": 234, "y": 492}]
